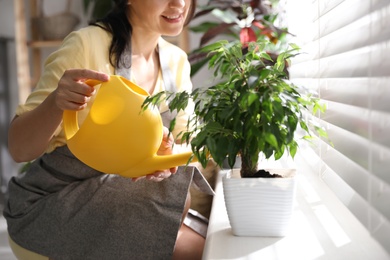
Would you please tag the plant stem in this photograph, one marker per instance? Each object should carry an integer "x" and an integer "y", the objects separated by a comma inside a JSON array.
[{"x": 248, "y": 168}]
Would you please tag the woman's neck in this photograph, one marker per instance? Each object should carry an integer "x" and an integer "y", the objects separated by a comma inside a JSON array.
[
  {"x": 144, "y": 45},
  {"x": 145, "y": 61}
]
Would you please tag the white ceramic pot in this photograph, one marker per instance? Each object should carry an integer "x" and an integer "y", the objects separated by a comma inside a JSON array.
[{"x": 260, "y": 206}]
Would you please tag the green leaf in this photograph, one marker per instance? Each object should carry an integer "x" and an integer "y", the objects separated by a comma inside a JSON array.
[
  {"x": 279, "y": 153},
  {"x": 277, "y": 107},
  {"x": 280, "y": 62},
  {"x": 264, "y": 73},
  {"x": 266, "y": 56},
  {"x": 271, "y": 139},
  {"x": 212, "y": 146},
  {"x": 180, "y": 101},
  {"x": 321, "y": 131},
  {"x": 293, "y": 148},
  {"x": 318, "y": 107},
  {"x": 203, "y": 27},
  {"x": 26, "y": 166},
  {"x": 268, "y": 151},
  {"x": 154, "y": 100},
  {"x": 172, "y": 125},
  {"x": 214, "y": 47},
  {"x": 304, "y": 126},
  {"x": 252, "y": 97},
  {"x": 294, "y": 46},
  {"x": 200, "y": 139}
]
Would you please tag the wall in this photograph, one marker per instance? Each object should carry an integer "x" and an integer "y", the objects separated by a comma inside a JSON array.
[{"x": 8, "y": 90}]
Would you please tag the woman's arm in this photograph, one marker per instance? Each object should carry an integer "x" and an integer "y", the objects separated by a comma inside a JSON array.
[{"x": 31, "y": 132}]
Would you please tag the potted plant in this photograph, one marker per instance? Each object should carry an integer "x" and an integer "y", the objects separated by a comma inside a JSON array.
[{"x": 252, "y": 110}]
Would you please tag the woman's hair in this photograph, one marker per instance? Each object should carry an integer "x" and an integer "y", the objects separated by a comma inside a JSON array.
[{"x": 117, "y": 23}]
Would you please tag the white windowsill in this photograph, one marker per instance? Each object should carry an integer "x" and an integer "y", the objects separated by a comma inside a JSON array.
[{"x": 322, "y": 228}]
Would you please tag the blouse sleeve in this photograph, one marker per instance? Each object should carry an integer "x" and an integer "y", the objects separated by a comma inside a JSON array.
[
  {"x": 69, "y": 55},
  {"x": 73, "y": 53}
]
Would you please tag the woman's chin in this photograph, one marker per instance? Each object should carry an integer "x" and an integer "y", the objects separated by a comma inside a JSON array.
[{"x": 172, "y": 33}]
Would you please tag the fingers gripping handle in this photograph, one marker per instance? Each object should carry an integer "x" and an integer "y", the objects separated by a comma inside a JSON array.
[{"x": 70, "y": 122}]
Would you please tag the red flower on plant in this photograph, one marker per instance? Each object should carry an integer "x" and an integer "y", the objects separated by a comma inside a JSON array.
[{"x": 247, "y": 35}]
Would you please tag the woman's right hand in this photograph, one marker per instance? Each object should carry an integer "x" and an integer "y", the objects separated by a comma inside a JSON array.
[
  {"x": 166, "y": 148},
  {"x": 72, "y": 93}
]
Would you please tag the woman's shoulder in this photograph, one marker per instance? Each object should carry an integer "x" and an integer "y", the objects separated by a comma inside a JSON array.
[
  {"x": 85, "y": 43},
  {"x": 91, "y": 33}
]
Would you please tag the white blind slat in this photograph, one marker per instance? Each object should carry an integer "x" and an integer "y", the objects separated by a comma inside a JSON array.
[
  {"x": 354, "y": 202},
  {"x": 380, "y": 163},
  {"x": 350, "y": 145},
  {"x": 346, "y": 59},
  {"x": 350, "y": 118},
  {"x": 380, "y": 125},
  {"x": 346, "y": 12},
  {"x": 343, "y": 175},
  {"x": 348, "y": 91}
]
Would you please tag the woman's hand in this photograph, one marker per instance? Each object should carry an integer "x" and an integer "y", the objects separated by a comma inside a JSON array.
[
  {"x": 166, "y": 148},
  {"x": 72, "y": 92}
]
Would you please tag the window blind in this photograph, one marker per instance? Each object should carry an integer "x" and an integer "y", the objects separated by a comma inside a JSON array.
[{"x": 346, "y": 60}]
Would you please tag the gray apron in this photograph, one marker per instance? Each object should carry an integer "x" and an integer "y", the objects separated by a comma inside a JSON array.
[{"x": 63, "y": 209}]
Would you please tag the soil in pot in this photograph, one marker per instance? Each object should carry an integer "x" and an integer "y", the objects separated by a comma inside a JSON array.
[{"x": 264, "y": 174}]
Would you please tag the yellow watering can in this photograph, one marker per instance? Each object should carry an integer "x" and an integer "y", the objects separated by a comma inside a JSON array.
[{"x": 117, "y": 136}]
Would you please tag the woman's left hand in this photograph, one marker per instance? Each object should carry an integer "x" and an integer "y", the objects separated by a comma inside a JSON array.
[{"x": 166, "y": 148}]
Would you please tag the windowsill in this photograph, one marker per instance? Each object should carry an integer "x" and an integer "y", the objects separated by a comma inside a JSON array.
[{"x": 322, "y": 228}]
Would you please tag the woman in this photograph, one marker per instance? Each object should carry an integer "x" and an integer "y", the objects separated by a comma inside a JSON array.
[{"x": 61, "y": 208}]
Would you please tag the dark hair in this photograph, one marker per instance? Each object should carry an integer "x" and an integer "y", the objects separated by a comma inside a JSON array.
[{"x": 117, "y": 23}]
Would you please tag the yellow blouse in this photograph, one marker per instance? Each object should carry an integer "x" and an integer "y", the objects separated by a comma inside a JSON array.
[{"x": 88, "y": 48}]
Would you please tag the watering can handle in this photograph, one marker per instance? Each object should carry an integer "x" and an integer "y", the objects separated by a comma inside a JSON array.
[{"x": 69, "y": 118}]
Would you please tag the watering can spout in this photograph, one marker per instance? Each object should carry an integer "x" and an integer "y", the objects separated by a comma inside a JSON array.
[{"x": 159, "y": 162}]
